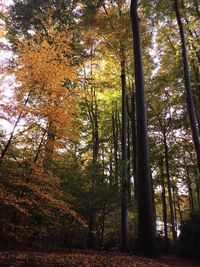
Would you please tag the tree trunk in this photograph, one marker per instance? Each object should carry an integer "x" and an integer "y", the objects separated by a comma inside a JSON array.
[
  {"x": 153, "y": 201},
  {"x": 128, "y": 163},
  {"x": 134, "y": 153},
  {"x": 93, "y": 115},
  {"x": 179, "y": 209},
  {"x": 39, "y": 147},
  {"x": 174, "y": 206},
  {"x": 146, "y": 233},
  {"x": 124, "y": 191},
  {"x": 49, "y": 146},
  {"x": 190, "y": 104},
  {"x": 198, "y": 193},
  {"x": 115, "y": 145},
  {"x": 131, "y": 113},
  {"x": 197, "y": 110},
  {"x": 169, "y": 187},
  {"x": 102, "y": 224},
  {"x": 164, "y": 205},
  {"x": 9, "y": 142},
  {"x": 95, "y": 137},
  {"x": 188, "y": 182}
]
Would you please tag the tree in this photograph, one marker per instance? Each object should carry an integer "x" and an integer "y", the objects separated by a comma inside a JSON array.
[
  {"x": 189, "y": 97},
  {"x": 48, "y": 71},
  {"x": 145, "y": 209}
]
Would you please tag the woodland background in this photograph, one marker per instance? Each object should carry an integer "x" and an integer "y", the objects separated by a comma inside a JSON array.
[{"x": 66, "y": 134}]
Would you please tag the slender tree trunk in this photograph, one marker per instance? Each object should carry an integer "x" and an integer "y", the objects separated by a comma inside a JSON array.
[
  {"x": 197, "y": 7},
  {"x": 115, "y": 145},
  {"x": 131, "y": 113},
  {"x": 197, "y": 110},
  {"x": 93, "y": 115},
  {"x": 39, "y": 147},
  {"x": 164, "y": 205},
  {"x": 134, "y": 153},
  {"x": 9, "y": 142},
  {"x": 102, "y": 224},
  {"x": 146, "y": 231},
  {"x": 111, "y": 167},
  {"x": 134, "y": 145},
  {"x": 103, "y": 159},
  {"x": 95, "y": 136},
  {"x": 119, "y": 123},
  {"x": 198, "y": 193},
  {"x": 174, "y": 207},
  {"x": 128, "y": 163},
  {"x": 188, "y": 182},
  {"x": 169, "y": 187},
  {"x": 124, "y": 191},
  {"x": 179, "y": 209},
  {"x": 153, "y": 202},
  {"x": 49, "y": 146},
  {"x": 190, "y": 104}
]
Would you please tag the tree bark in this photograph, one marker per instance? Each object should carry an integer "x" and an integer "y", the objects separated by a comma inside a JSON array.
[
  {"x": 146, "y": 233},
  {"x": 190, "y": 103},
  {"x": 49, "y": 146},
  {"x": 115, "y": 145},
  {"x": 134, "y": 153},
  {"x": 164, "y": 205},
  {"x": 9, "y": 142},
  {"x": 131, "y": 113},
  {"x": 95, "y": 137},
  {"x": 188, "y": 182},
  {"x": 128, "y": 163},
  {"x": 197, "y": 192},
  {"x": 93, "y": 116},
  {"x": 169, "y": 187},
  {"x": 124, "y": 189}
]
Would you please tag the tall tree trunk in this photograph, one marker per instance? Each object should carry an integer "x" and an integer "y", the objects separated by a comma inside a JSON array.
[
  {"x": 128, "y": 163},
  {"x": 198, "y": 193},
  {"x": 103, "y": 160},
  {"x": 190, "y": 104},
  {"x": 197, "y": 110},
  {"x": 93, "y": 115},
  {"x": 131, "y": 113},
  {"x": 188, "y": 182},
  {"x": 164, "y": 205},
  {"x": 174, "y": 206},
  {"x": 124, "y": 189},
  {"x": 134, "y": 153},
  {"x": 111, "y": 167},
  {"x": 179, "y": 209},
  {"x": 169, "y": 187},
  {"x": 153, "y": 201},
  {"x": 102, "y": 224},
  {"x": 146, "y": 231},
  {"x": 95, "y": 139},
  {"x": 115, "y": 145}
]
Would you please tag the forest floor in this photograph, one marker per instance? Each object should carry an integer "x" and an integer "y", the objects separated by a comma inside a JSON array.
[{"x": 28, "y": 258}]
